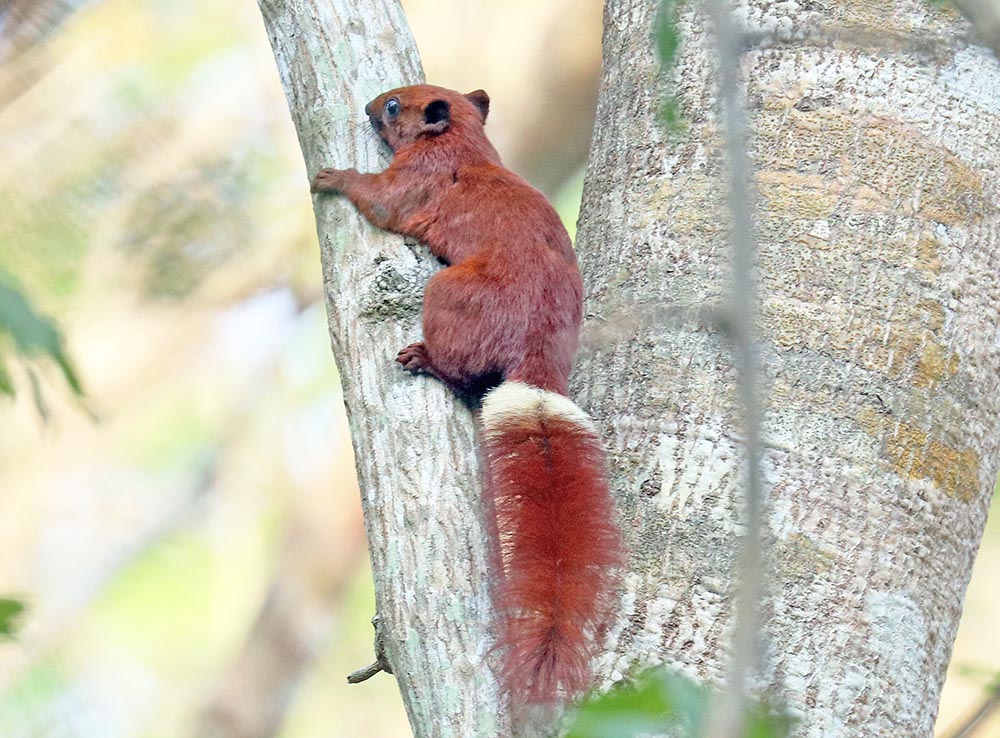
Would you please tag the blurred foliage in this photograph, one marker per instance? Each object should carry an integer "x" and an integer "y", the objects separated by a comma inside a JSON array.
[
  {"x": 667, "y": 34},
  {"x": 26, "y": 22},
  {"x": 29, "y": 334},
  {"x": 10, "y": 613},
  {"x": 667, "y": 37},
  {"x": 179, "y": 231},
  {"x": 988, "y": 678},
  {"x": 662, "y": 701}
]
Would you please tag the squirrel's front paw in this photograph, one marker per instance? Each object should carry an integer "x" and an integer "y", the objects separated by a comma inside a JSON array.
[
  {"x": 415, "y": 359},
  {"x": 328, "y": 180}
]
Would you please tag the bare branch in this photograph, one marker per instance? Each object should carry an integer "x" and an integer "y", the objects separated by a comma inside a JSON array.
[
  {"x": 728, "y": 720},
  {"x": 381, "y": 662},
  {"x": 969, "y": 725},
  {"x": 985, "y": 18}
]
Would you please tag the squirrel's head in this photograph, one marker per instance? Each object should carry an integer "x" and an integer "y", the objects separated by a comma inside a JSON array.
[{"x": 408, "y": 114}]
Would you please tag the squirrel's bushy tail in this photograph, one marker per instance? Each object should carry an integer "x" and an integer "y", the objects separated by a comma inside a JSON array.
[{"x": 556, "y": 543}]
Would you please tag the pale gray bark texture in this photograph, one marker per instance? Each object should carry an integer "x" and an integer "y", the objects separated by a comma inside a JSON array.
[
  {"x": 874, "y": 136},
  {"x": 413, "y": 443}
]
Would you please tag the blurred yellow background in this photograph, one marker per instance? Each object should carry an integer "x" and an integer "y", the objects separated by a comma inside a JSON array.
[{"x": 187, "y": 536}]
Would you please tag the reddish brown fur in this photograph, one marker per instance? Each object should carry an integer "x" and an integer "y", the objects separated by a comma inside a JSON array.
[
  {"x": 545, "y": 479},
  {"x": 507, "y": 307}
]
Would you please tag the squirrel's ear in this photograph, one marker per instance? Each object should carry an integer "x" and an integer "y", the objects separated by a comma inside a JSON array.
[
  {"x": 481, "y": 100},
  {"x": 437, "y": 116}
]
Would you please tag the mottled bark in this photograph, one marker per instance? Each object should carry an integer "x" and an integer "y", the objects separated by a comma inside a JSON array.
[
  {"x": 413, "y": 443},
  {"x": 873, "y": 136}
]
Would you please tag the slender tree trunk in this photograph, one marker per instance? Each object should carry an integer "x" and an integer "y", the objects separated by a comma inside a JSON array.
[
  {"x": 413, "y": 443},
  {"x": 875, "y": 130}
]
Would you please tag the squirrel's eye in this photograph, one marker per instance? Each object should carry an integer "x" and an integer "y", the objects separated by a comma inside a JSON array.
[{"x": 392, "y": 107}]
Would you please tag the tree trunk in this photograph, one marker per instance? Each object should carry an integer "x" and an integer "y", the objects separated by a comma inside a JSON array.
[
  {"x": 874, "y": 137},
  {"x": 413, "y": 442},
  {"x": 877, "y": 177}
]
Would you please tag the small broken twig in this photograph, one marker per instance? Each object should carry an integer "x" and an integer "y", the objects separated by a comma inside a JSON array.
[{"x": 381, "y": 662}]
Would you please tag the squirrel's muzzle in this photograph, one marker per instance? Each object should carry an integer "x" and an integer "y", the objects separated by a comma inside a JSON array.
[{"x": 374, "y": 117}]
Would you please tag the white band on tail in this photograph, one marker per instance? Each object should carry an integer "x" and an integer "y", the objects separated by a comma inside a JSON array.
[{"x": 517, "y": 400}]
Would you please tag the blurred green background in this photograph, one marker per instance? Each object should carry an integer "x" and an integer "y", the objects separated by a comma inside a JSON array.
[{"x": 187, "y": 534}]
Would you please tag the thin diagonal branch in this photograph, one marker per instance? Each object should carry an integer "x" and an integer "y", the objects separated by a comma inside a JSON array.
[
  {"x": 728, "y": 720},
  {"x": 985, "y": 18},
  {"x": 970, "y": 724}
]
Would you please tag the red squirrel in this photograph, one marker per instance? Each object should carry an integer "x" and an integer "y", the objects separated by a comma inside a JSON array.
[{"x": 503, "y": 318}]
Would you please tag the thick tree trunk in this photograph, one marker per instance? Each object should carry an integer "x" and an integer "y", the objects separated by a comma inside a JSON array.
[
  {"x": 413, "y": 443},
  {"x": 874, "y": 137}
]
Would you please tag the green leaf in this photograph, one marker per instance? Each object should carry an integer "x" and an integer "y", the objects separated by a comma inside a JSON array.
[
  {"x": 69, "y": 373},
  {"x": 10, "y": 610},
  {"x": 41, "y": 407},
  {"x": 667, "y": 33},
  {"x": 661, "y": 701},
  {"x": 624, "y": 711},
  {"x": 6, "y": 383},
  {"x": 655, "y": 700},
  {"x": 671, "y": 117},
  {"x": 667, "y": 38},
  {"x": 32, "y": 334},
  {"x": 764, "y": 723}
]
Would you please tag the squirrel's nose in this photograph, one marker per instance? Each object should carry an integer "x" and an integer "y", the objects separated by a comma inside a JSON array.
[{"x": 375, "y": 119}]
